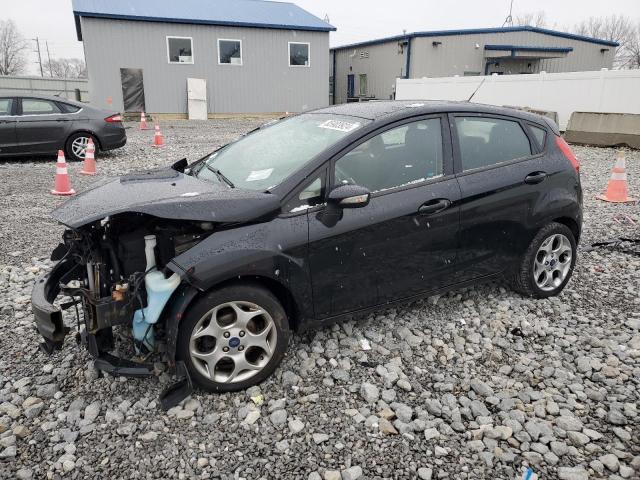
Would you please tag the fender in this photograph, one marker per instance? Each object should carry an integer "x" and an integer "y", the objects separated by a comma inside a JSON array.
[{"x": 276, "y": 251}]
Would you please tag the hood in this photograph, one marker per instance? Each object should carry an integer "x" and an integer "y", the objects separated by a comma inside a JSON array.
[{"x": 165, "y": 193}]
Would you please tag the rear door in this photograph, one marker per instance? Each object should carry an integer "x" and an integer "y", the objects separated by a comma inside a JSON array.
[
  {"x": 402, "y": 243},
  {"x": 501, "y": 174},
  {"x": 8, "y": 139},
  {"x": 42, "y": 125}
]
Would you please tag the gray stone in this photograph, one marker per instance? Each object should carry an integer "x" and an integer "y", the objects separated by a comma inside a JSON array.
[
  {"x": 352, "y": 473},
  {"x": 278, "y": 417},
  {"x": 369, "y": 392},
  {"x": 425, "y": 473},
  {"x": 572, "y": 473}
]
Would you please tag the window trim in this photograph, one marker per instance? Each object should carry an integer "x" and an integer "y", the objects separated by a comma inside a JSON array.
[
  {"x": 308, "y": 44},
  {"x": 457, "y": 157},
  {"x": 447, "y": 153},
  {"x": 323, "y": 173},
  {"x": 193, "y": 57},
  {"x": 241, "y": 52}
]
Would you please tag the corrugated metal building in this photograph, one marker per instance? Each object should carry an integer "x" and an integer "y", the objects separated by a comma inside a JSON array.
[
  {"x": 256, "y": 56},
  {"x": 369, "y": 70}
]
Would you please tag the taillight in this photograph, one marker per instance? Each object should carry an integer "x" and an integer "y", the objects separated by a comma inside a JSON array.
[
  {"x": 566, "y": 151},
  {"x": 117, "y": 118}
]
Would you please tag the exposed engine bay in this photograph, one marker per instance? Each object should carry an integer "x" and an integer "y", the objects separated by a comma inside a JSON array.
[{"x": 115, "y": 270}]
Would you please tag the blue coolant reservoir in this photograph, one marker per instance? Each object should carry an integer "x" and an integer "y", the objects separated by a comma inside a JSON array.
[{"x": 159, "y": 290}]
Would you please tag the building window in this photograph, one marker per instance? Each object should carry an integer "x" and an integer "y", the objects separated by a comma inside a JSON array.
[
  {"x": 229, "y": 52},
  {"x": 363, "y": 84},
  {"x": 299, "y": 55},
  {"x": 180, "y": 49}
]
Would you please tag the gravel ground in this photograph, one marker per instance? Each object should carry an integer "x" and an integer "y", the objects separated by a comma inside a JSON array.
[{"x": 478, "y": 383}]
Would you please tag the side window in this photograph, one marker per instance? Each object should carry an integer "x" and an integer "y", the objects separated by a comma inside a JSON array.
[
  {"x": 540, "y": 134},
  {"x": 68, "y": 108},
  {"x": 5, "y": 106},
  {"x": 229, "y": 52},
  {"x": 299, "y": 55},
  {"x": 180, "y": 49},
  {"x": 312, "y": 194},
  {"x": 487, "y": 141},
  {"x": 36, "y": 106},
  {"x": 407, "y": 154}
]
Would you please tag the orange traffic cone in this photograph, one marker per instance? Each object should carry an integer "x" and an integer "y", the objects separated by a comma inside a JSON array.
[
  {"x": 617, "y": 188},
  {"x": 89, "y": 166},
  {"x": 62, "y": 185},
  {"x": 158, "y": 139},
  {"x": 143, "y": 122}
]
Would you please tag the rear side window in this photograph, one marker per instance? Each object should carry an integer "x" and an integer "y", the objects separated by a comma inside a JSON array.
[
  {"x": 488, "y": 141},
  {"x": 5, "y": 106},
  {"x": 37, "y": 106},
  {"x": 67, "y": 108},
  {"x": 540, "y": 134}
]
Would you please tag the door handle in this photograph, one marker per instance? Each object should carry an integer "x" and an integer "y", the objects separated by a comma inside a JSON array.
[
  {"x": 434, "y": 206},
  {"x": 535, "y": 177}
]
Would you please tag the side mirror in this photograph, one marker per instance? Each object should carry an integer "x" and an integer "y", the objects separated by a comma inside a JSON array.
[{"x": 349, "y": 196}]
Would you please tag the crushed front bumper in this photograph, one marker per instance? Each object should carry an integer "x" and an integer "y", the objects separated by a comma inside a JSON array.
[{"x": 48, "y": 317}]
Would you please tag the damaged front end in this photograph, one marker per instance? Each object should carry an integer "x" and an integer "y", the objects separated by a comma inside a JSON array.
[{"x": 114, "y": 273}]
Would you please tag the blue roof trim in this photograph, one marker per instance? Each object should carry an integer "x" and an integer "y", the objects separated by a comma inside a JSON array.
[
  {"x": 527, "y": 48},
  {"x": 237, "y": 13},
  {"x": 477, "y": 31}
]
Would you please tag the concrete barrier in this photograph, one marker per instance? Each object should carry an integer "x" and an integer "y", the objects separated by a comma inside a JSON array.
[{"x": 604, "y": 129}]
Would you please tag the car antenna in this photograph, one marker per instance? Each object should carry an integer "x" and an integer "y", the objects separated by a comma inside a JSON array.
[{"x": 476, "y": 90}]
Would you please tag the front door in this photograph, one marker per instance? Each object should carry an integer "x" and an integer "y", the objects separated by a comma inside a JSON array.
[
  {"x": 8, "y": 139},
  {"x": 404, "y": 242},
  {"x": 350, "y": 86},
  {"x": 42, "y": 126},
  {"x": 132, "y": 89}
]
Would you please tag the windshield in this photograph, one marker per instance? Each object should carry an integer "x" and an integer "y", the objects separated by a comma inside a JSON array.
[{"x": 267, "y": 156}]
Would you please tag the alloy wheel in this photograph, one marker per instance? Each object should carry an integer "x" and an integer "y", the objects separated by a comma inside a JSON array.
[
  {"x": 553, "y": 262},
  {"x": 79, "y": 146},
  {"x": 233, "y": 342}
]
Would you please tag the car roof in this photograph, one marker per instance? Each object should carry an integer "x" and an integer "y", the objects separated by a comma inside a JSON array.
[
  {"x": 382, "y": 109},
  {"x": 4, "y": 93}
]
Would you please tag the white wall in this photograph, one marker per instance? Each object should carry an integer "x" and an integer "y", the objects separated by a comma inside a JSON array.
[{"x": 615, "y": 91}]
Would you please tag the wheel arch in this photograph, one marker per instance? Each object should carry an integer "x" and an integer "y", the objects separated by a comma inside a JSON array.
[
  {"x": 187, "y": 295},
  {"x": 84, "y": 130},
  {"x": 571, "y": 224}
]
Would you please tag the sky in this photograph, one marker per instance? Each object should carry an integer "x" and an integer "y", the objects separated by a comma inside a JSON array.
[{"x": 356, "y": 20}]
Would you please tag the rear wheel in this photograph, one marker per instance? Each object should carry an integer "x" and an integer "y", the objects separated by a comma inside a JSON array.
[
  {"x": 76, "y": 146},
  {"x": 233, "y": 338},
  {"x": 548, "y": 263}
]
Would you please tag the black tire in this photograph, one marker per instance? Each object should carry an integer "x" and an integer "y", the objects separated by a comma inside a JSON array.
[
  {"x": 68, "y": 146},
  {"x": 523, "y": 281},
  {"x": 253, "y": 294}
]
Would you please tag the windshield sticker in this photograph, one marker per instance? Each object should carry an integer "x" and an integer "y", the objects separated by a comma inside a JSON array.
[
  {"x": 256, "y": 175},
  {"x": 339, "y": 125}
]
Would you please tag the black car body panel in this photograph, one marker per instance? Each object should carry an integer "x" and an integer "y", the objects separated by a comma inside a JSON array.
[
  {"x": 168, "y": 194},
  {"x": 325, "y": 263}
]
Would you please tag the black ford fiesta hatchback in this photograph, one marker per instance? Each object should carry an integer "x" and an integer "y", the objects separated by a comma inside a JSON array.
[{"x": 306, "y": 221}]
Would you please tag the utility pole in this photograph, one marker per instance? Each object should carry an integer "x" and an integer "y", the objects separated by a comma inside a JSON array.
[
  {"x": 49, "y": 57},
  {"x": 39, "y": 57}
]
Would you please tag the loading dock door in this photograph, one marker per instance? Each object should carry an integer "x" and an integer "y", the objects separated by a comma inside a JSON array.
[
  {"x": 132, "y": 89},
  {"x": 350, "y": 85}
]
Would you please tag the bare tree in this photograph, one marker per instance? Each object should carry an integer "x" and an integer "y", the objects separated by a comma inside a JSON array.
[
  {"x": 12, "y": 49},
  {"x": 614, "y": 28},
  {"x": 632, "y": 59},
  {"x": 532, "y": 19},
  {"x": 66, "y": 68}
]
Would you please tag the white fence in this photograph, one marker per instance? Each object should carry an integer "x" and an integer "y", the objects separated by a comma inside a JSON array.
[
  {"x": 615, "y": 91},
  {"x": 63, "y": 87}
]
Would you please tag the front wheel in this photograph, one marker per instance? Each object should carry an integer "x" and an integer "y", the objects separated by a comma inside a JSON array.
[
  {"x": 76, "y": 146},
  {"x": 233, "y": 338},
  {"x": 548, "y": 263}
]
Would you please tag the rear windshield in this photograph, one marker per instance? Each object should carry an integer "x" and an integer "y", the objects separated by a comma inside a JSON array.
[{"x": 267, "y": 156}]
